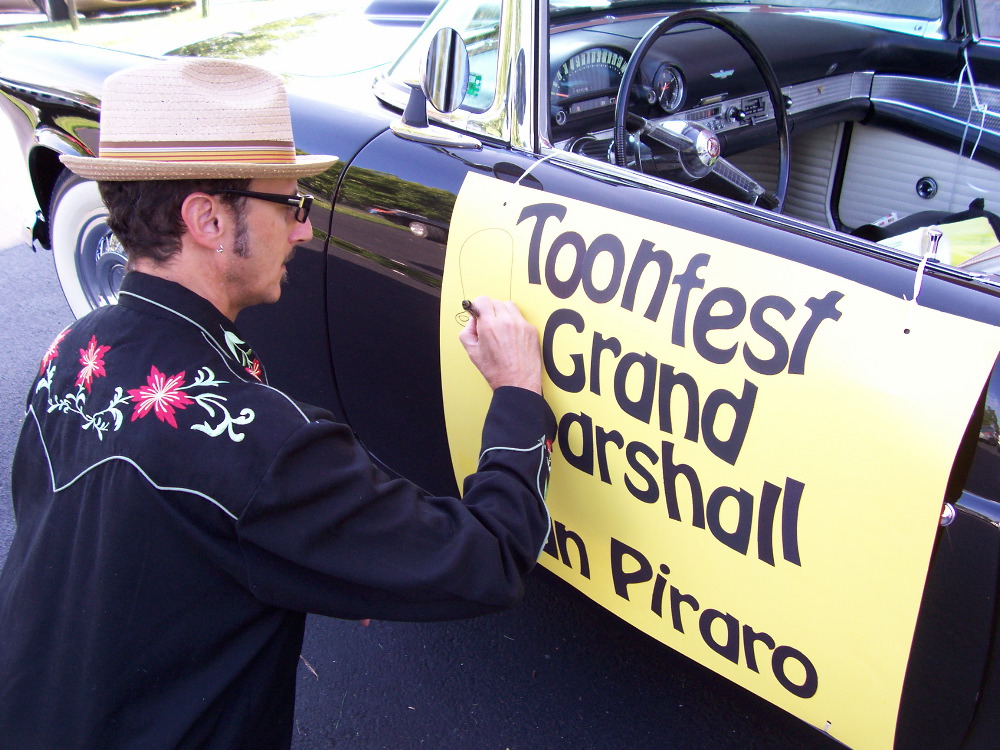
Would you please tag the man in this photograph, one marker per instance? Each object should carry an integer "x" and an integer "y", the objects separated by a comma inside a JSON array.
[{"x": 176, "y": 516}]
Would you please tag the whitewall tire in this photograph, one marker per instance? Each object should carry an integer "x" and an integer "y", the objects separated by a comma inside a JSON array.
[{"x": 90, "y": 262}]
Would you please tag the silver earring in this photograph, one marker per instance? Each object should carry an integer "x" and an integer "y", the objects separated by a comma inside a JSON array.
[{"x": 220, "y": 248}]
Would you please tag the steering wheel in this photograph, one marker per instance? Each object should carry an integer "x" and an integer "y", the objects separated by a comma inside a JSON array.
[{"x": 698, "y": 148}]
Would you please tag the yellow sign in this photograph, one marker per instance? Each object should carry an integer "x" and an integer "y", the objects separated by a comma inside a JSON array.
[{"x": 752, "y": 453}]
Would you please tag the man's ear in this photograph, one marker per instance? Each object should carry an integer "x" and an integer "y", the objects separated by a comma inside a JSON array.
[{"x": 204, "y": 219}]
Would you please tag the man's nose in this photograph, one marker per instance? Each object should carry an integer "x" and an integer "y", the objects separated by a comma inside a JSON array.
[{"x": 303, "y": 231}]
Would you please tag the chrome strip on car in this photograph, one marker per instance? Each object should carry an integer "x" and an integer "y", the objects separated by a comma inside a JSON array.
[
  {"x": 802, "y": 98},
  {"x": 827, "y": 91},
  {"x": 951, "y": 101},
  {"x": 48, "y": 96},
  {"x": 930, "y": 29}
]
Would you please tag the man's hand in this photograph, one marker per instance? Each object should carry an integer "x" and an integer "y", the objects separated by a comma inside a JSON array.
[{"x": 503, "y": 345}]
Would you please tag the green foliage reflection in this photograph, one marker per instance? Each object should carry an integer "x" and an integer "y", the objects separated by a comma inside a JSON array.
[
  {"x": 366, "y": 188},
  {"x": 256, "y": 42}
]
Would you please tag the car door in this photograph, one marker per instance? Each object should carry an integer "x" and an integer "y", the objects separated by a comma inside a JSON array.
[
  {"x": 394, "y": 206},
  {"x": 758, "y": 418}
]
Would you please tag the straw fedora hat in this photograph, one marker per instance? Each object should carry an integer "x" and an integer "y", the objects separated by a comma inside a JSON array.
[{"x": 195, "y": 118}]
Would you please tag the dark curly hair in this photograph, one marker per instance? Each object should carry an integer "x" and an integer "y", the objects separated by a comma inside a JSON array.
[{"x": 146, "y": 215}]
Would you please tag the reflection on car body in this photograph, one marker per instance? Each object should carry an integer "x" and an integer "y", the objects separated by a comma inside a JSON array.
[
  {"x": 420, "y": 225},
  {"x": 769, "y": 390}
]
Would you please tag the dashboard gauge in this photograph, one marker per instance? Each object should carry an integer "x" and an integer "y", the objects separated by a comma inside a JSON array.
[
  {"x": 587, "y": 81},
  {"x": 669, "y": 87}
]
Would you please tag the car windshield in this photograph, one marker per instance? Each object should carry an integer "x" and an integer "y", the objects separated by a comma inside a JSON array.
[
  {"x": 927, "y": 9},
  {"x": 479, "y": 25}
]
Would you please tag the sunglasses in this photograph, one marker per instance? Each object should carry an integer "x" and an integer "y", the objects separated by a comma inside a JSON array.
[{"x": 301, "y": 203}]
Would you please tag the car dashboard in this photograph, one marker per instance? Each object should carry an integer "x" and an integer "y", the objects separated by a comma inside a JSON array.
[{"x": 698, "y": 74}]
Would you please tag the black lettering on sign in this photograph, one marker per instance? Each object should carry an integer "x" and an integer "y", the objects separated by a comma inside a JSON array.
[
  {"x": 599, "y": 267},
  {"x": 728, "y": 448},
  {"x": 650, "y": 491},
  {"x": 604, "y": 438},
  {"x": 646, "y": 256},
  {"x": 656, "y": 603},
  {"x": 738, "y": 538},
  {"x": 588, "y": 448},
  {"x": 541, "y": 212},
  {"x": 669, "y": 379},
  {"x": 810, "y": 682},
  {"x": 623, "y": 556},
  {"x": 750, "y": 640},
  {"x": 638, "y": 381},
  {"x": 720, "y": 631},
  {"x": 575, "y": 380},
  {"x": 583, "y": 425},
  {"x": 605, "y": 244},
  {"x": 600, "y": 346},
  {"x": 709, "y": 319},
  {"x": 671, "y": 472},
  {"x": 564, "y": 288},
  {"x": 558, "y": 546},
  {"x": 772, "y": 336},
  {"x": 822, "y": 309},
  {"x": 730, "y": 647},
  {"x": 682, "y": 480},
  {"x": 686, "y": 283},
  {"x": 641, "y": 407}
]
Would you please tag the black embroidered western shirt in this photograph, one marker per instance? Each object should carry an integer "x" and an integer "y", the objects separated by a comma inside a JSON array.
[{"x": 176, "y": 517}]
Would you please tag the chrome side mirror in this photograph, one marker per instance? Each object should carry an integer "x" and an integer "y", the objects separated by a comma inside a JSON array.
[
  {"x": 444, "y": 82},
  {"x": 444, "y": 76}
]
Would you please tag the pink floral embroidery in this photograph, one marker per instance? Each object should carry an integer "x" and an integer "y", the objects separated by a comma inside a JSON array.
[
  {"x": 162, "y": 395},
  {"x": 92, "y": 359},
  {"x": 254, "y": 369},
  {"x": 52, "y": 352}
]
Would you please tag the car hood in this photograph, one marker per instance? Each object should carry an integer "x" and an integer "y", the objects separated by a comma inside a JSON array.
[{"x": 316, "y": 45}]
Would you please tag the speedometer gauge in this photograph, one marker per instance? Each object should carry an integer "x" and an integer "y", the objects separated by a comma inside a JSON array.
[
  {"x": 669, "y": 87},
  {"x": 587, "y": 81}
]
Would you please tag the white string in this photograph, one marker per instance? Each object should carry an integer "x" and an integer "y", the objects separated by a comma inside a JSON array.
[
  {"x": 977, "y": 105},
  {"x": 919, "y": 279},
  {"x": 534, "y": 164}
]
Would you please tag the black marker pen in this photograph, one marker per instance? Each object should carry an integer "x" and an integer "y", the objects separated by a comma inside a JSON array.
[{"x": 470, "y": 308}]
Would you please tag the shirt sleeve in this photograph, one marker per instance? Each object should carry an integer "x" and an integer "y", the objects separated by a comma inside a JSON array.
[{"x": 326, "y": 532}]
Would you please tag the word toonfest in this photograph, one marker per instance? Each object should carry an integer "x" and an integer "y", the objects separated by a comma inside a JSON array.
[
  {"x": 589, "y": 370},
  {"x": 739, "y": 471}
]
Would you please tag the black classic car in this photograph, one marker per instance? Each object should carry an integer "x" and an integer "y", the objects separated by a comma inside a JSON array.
[{"x": 760, "y": 242}]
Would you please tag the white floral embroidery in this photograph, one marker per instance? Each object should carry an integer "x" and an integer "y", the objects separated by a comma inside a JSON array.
[
  {"x": 108, "y": 418},
  {"x": 162, "y": 396},
  {"x": 212, "y": 401},
  {"x": 239, "y": 349},
  {"x": 243, "y": 354}
]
